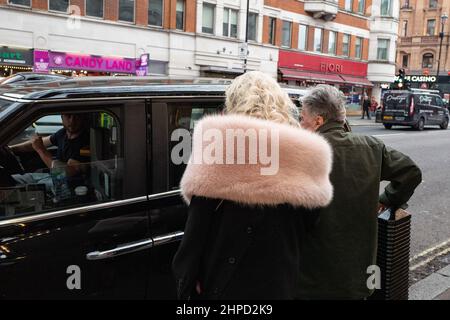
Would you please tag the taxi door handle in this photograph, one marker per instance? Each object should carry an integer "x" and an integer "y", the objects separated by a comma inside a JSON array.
[{"x": 136, "y": 246}]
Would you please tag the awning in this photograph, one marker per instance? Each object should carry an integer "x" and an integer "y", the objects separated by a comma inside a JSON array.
[
  {"x": 357, "y": 81},
  {"x": 290, "y": 74}
]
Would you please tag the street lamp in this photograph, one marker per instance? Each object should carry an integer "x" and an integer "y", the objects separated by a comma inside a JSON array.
[
  {"x": 444, "y": 18},
  {"x": 246, "y": 36}
]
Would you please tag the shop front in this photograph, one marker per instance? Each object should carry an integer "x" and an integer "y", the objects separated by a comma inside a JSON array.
[
  {"x": 305, "y": 70},
  {"x": 72, "y": 64},
  {"x": 13, "y": 60}
]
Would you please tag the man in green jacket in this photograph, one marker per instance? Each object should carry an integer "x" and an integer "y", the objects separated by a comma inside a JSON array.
[{"x": 338, "y": 252}]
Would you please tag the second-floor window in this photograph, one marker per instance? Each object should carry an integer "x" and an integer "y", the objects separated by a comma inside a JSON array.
[
  {"x": 427, "y": 60},
  {"x": 433, "y": 4},
  {"x": 287, "y": 34},
  {"x": 405, "y": 28},
  {"x": 358, "y": 48},
  {"x": 431, "y": 25},
  {"x": 252, "y": 23},
  {"x": 230, "y": 18},
  {"x": 126, "y": 10},
  {"x": 348, "y": 5},
  {"x": 382, "y": 50},
  {"x": 208, "y": 18},
  {"x": 94, "y": 8},
  {"x": 155, "y": 13},
  {"x": 332, "y": 42},
  {"x": 361, "y": 6},
  {"x": 272, "y": 29},
  {"x": 58, "y": 5},
  {"x": 346, "y": 45},
  {"x": 405, "y": 61},
  {"x": 385, "y": 9},
  {"x": 26, "y": 3},
  {"x": 318, "y": 40},
  {"x": 180, "y": 15},
  {"x": 303, "y": 37}
]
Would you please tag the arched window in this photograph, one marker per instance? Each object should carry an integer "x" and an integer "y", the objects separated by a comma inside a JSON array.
[{"x": 427, "y": 60}]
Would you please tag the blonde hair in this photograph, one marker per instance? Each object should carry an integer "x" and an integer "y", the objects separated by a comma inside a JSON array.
[{"x": 258, "y": 95}]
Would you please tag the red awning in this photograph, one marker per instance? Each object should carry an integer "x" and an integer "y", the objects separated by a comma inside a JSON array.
[
  {"x": 290, "y": 74},
  {"x": 357, "y": 81}
]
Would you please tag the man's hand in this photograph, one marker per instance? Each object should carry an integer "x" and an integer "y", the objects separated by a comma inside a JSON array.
[
  {"x": 381, "y": 207},
  {"x": 37, "y": 144}
]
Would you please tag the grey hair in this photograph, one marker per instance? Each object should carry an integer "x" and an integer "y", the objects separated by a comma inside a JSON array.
[{"x": 326, "y": 101}]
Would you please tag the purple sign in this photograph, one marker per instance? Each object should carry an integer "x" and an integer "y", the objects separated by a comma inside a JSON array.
[
  {"x": 92, "y": 63},
  {"x": 142, "y": 65},
  {"x": 41, "y": 61}
]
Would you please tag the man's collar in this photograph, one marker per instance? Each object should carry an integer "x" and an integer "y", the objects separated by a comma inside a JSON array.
[{"x": 331, "y": 126}]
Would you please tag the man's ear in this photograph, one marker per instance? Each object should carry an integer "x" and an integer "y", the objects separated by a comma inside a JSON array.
[{"x": 319, "y": 121}]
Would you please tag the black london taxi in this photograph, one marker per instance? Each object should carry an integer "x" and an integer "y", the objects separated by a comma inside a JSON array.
[
  {"x": 414, "y": 107},
  {"x": 113, "y": 233}
]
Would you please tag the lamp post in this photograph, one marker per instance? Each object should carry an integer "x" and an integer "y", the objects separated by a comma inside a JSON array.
[
  {"x": 444, "y": 18},
  {"x": 246, "y": 36}
]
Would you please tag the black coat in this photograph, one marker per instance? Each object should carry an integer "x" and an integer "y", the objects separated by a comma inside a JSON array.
[
  {"x": 247, "y": 252},
  {"x": 244, "y": 226}
]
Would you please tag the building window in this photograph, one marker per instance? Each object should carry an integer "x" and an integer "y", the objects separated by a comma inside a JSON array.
[
  {"x": 332, "y": 42},
  {"x": 180, "y": 15},
  {"x": 348, "y": 5},
  {"x": 318, "y": 40},
  {"x": 405, "y": 61},
  {"x": 126, "y": 10},
  {"x": 230, "y": 18},
  {"x": 405, "y": 28},
  {"x": 58, "y": 5},
  {"x": 272, "y": 29},
  {"x": 433, "y": 4},
  {"x": 346, "y": 45},
  {"x": 303, "y": 37},
  {"x": 208, "y": 18},
  {"x": 431, "y": 25},
  {"x": 358, "y": 48},
  {"x": 155, "y": 13},
  {"x": 94, "y": 8},
  {"x": 383, "y": 47},
  {"x": 252, "y": 18},
  {"x": 287, "y": 33},
  {"x": 385, "y": 9},
  {"x": 427, "y": 60},
  {"x": 361, "y": 6},
  {"x": 405, "y": 4},
  {"x": 26, "y": 3}
]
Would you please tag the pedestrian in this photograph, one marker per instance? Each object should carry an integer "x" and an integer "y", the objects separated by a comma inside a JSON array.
[
  {"x": 244, "y": 228},
  {"x": 373, "y": 105},
  {"x": 365, "y": 106},
  {"x": 343, "y": 244}
]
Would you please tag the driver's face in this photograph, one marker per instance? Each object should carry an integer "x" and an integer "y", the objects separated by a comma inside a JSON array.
[{"x": 73, "y": 123}]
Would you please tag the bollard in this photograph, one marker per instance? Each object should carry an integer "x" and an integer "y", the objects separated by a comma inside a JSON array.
[{"x": 394, "y": 237}]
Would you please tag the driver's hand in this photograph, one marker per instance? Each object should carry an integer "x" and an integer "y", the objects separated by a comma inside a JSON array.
[
  {"x": 37, "y": 143},
  {"x": 381, "y": 207}
]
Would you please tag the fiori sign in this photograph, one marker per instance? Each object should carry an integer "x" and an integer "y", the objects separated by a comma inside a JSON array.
[{"x": 92, "y": 63}]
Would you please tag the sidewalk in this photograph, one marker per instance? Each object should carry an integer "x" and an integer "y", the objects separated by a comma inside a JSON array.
[
  {"x": 434, "y": 287},
  {"x": 357, "y": 121}
]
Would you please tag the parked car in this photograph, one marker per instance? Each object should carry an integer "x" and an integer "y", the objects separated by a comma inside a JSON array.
[
  {"x": 415, "y": 107},
  {"x": 27, "y": 78},
  {"x": 123, "y": 230}
]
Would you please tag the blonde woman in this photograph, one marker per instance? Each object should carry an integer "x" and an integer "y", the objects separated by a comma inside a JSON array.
[{"x": 250, "y": 203}]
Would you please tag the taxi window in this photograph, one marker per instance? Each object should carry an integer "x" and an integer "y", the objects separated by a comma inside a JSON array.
[
  {"x": 182, "y": 118},
  {"x": 61, "y": 161},
  {"x": 4, "y": 104}
]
